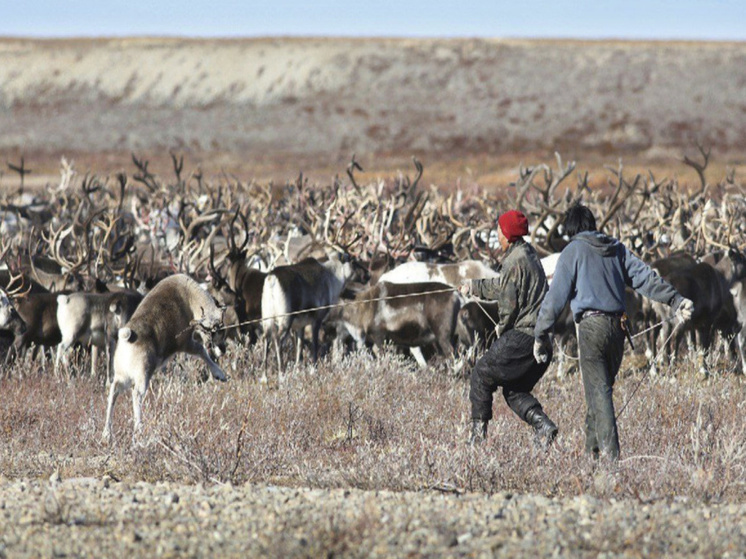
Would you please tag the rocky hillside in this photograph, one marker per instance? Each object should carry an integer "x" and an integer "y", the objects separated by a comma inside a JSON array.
[{"x": 311, "y": 96}]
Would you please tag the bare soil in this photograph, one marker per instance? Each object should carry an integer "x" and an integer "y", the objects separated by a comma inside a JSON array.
[{"x": 267, "y": 109}]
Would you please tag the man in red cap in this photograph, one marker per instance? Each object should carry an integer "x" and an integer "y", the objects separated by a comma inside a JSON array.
[{"x": 509, "y": 362}]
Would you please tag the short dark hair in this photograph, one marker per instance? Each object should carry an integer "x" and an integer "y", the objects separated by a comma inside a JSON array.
[{"x": 578, "y": 219}]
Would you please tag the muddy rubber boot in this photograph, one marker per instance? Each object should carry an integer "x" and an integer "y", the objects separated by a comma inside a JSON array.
[
  {"x": 545, "y": 429},
  {"x": 478, "y": 431}
]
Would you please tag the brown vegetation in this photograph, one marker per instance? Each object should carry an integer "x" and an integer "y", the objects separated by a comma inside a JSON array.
[{"x": 376, "y": 424}]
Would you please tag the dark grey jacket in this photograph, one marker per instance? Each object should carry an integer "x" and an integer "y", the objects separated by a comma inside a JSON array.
[
  {"x": 518, "y": 290},
  {"x": 592, "y": 273}
]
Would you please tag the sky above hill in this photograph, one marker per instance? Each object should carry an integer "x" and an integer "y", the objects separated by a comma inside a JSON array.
[{"x": 624, "y": 19}]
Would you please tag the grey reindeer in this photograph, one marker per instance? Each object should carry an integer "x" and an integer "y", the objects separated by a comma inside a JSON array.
[{"x": 177, "y": 315}]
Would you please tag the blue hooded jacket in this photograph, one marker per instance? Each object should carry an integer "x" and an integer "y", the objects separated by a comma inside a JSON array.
[{"x": 592, "y": 273}]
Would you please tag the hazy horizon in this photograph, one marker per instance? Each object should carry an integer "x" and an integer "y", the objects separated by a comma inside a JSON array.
[{"x": 685, "y": 20}]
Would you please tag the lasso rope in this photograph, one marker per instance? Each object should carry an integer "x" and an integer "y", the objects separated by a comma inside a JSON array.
[
  {"x": 447, "y": 290},
  {"x": 653, "y": 327},
  {"x": 335, "y": 305},
  {"x": 655, "y": 358}
]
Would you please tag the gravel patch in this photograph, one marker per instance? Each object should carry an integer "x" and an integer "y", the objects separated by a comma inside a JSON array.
[{"x": 90, "y": 517}]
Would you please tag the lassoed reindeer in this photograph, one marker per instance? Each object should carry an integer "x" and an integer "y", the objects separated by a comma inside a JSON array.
[{"x": 176, "y": 316}]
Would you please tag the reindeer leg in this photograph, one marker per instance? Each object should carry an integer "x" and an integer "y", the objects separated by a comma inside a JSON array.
[
  {"x": 60, "y": 350},
  {"x": 20, "y": 347},
  {"x": 114, "y": 390},
  {"x": 267, "y": 342},
  {"x": 139, "y": 388},
  {"x": 661, "y": 357},
  {"x": 298, "y": 346},
  {"x": 109, "y": 360},
  {"x": 417, "y": 354},
  {"x": 703, "y": 356},
  {"x": 315, "y": 329},
  {"x": 649, "y": 341},
  {"x": 94, "y": 360},
  {"x": 677, "y": 332},
  {"x": 448, "y": 350},
  {"x": 278, "y": 342},
  {"x": 138, "y": 395},
  {"x": 14, "y": 352}
]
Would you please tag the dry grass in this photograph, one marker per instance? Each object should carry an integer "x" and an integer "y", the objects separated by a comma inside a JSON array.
[
  {"x": 489, "y": 172},
  {"x": 375, "y": 424}
]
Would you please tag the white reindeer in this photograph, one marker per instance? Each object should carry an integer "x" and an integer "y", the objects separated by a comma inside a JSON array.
[
  {"x": 308, "y": 284},
  {"x": 451, "y": 273},
  {"x": 93, "y": 319}
]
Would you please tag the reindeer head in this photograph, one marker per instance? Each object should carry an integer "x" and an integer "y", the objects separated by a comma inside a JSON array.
[
  {"x": 341, "y": 265},
  {"x": 219, "y": 287},
  {"x": 738, "y": 263},
  {"x": 209, "y": 331},
  {"x": 9, "y": 317}
]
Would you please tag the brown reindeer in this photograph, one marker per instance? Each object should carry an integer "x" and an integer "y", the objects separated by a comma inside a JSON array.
[
  {"x": 708, "y": 285},
  {"x": 39, "y": 313},
  {"x": 10, "y": 320},
  {"x": 246, "y": 282},
  {"x": 411, "y": 315}
]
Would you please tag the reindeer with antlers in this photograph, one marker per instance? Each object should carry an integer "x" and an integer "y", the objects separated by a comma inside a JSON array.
[
  {"x": 298, "y": 295},
  {"x": 243, "y": 280},
  {"x": 37, "y": 308}
]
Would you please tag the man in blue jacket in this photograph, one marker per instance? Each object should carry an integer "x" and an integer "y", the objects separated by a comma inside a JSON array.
[{"x": 592, "y": 273}]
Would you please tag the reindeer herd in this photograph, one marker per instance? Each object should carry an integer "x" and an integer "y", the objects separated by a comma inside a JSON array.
[{"x": 140, "y": 267}]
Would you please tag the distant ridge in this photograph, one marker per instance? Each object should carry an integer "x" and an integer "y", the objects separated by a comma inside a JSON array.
[{"x": 383, "y": 95}]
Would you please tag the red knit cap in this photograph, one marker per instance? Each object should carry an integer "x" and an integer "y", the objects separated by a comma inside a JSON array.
[{"x": 513, "y": 224}]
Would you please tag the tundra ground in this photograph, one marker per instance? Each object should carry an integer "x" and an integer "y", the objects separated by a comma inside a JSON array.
[{"x": 381, "y": 434}]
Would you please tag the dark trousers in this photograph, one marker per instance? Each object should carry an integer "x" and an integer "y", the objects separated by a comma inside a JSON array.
[
  {"x": 601, "y": 347},
  {"x": 508, "y": 363}
]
